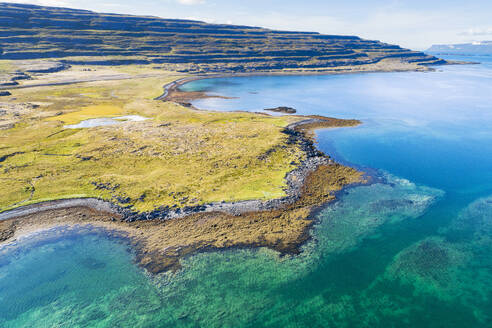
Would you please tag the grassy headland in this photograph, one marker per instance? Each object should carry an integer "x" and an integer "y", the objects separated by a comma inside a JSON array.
[
  {"x": 183, "y": 180},
  {"x": 180, "y": 158}
]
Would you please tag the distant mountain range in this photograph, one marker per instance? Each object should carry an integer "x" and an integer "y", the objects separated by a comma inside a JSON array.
[
  {"x": 85, "y": 37},
  {"x": 475, "y": 48}
]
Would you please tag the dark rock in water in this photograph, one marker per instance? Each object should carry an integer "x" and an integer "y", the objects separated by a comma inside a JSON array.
[
  {"x": 92, "y": 263},
  {"x": 5, "y": 93},
  {"x": 282, "y": 109},
  {"x": 95, "y": 315},
  {"x": 391, "y": 204}
]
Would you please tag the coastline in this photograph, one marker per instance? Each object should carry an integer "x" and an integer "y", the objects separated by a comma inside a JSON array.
[
  {"x": 281, "y": 224},
  {"x": 163, "y": 236},
  {"x": 299, "y": 132},
  {"x": 173, "y": 87}
]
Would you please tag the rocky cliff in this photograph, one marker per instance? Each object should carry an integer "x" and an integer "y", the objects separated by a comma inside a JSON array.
[{"x": 79, "y": 36}]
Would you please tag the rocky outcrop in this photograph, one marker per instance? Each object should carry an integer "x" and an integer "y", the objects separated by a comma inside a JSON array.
[
  {"x": 282, "y": 109},
  {"x": 23, "y": 69}
]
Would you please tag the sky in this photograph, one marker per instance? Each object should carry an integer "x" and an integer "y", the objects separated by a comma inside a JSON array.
[{"x": 415, "y": 24}]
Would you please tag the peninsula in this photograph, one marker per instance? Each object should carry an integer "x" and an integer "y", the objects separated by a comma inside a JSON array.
[{"x": 88, "y": 136}]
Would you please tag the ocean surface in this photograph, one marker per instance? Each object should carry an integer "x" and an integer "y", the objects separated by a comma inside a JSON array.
[{"x": 414, "y": 250}]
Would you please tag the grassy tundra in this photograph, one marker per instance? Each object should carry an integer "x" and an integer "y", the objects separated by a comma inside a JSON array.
[{"x": 180, "y": 156}]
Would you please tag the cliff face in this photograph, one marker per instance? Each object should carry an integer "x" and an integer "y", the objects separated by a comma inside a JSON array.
[
  {"x": 475, "y": 48},
  {"x": 78, "y": 36}
]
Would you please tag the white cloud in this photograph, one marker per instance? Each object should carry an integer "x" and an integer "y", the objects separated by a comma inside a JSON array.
[
  {"x": 411, "y": 27},
  {"x": 201, "y": 19},
  {"x": 477, "y": 31},
  {"x": 191, "y": 2},
  {"x": 415, "y": 29}
]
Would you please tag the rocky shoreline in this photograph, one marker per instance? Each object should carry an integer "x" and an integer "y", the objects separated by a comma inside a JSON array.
[
  {"x": 163, "y": 236},
  {"x": 294, "y": 180}
]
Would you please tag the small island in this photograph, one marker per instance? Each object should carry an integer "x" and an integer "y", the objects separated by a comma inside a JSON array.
[{"x": 282, "y": 109}]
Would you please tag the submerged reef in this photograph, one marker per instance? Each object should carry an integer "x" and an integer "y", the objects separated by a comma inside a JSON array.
[{"x": 455, "y": 264}]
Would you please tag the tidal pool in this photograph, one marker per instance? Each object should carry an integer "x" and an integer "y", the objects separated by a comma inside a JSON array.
[
  {"x": 94, "y": 122},
  {"x": 72, "y": 277},
  {"x": 414, "y": 250}
]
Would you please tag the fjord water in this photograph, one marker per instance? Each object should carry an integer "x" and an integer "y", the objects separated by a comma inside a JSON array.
[{"x": 413, "y": 250}]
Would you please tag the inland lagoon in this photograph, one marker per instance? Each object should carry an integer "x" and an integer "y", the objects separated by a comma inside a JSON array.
[{"x": 412, "y": 249}]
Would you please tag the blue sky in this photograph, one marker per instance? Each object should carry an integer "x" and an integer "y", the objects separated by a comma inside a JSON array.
[{"x": 414, "y": 24}]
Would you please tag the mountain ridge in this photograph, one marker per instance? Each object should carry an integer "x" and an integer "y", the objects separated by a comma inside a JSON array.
[
  {"x": 473, "y": 48},
  {"x": 86, "y": 37}
]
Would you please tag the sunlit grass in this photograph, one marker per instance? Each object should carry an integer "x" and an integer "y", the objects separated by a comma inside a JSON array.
[
  {"x": 95, "y": 111},
  {"x": 181, "y": 157},
  {"x": 5, "y": 66}
]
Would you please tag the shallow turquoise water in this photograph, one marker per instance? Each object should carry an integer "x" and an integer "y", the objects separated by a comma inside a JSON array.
[{"x": 414, "y": 251}]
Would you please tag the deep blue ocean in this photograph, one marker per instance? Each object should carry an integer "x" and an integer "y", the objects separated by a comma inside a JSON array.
[{"x": 414, "y": 250}]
